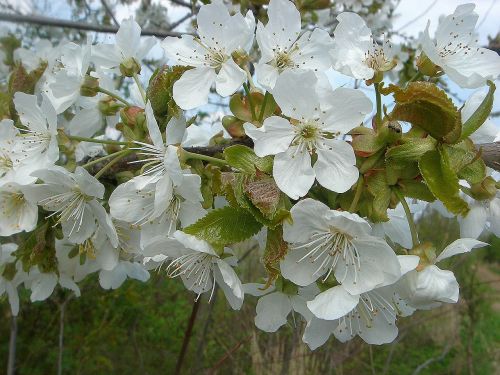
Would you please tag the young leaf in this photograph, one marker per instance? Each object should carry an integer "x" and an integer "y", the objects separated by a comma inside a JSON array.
[
  {"x": 411, "y": 150},
  {"x": 244, "y": 159},
  {"x": 480, "y": 114},
  {"x": 224, "y": 226},
  {"x": 442, "y": 181},
  {"x": 424, "y": 105}
]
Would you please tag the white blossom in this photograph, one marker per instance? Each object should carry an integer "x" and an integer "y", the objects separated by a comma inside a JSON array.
[
  {"x": 355, "y": 52},
  {"x": 326, "y": 242},
  {"x": 456, "y": 50},
  {"x": 311, "y": 130},
  {"x": 220, "y": 34},
  {"x": 283, "y": 48}
]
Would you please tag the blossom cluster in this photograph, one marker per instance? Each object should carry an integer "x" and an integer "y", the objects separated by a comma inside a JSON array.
[{"x": 328, "y": 185}]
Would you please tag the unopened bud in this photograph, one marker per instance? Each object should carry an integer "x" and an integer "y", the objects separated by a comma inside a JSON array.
[
  {"x": 130, "y": 67},
  {"x": 133, "y": 116},
  {"x": 427, "y": 254},
  {"x": 90, "y": 86},
  {"x": 109, "y": 106},
  {"x": 485, "y": 190}
]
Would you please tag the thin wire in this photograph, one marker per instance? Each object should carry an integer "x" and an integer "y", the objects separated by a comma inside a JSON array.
[
  {"x": 486, "y": 14},
  {"x": 417, "y": 17}
]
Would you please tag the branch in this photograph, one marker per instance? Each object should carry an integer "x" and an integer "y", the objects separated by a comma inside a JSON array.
[
  {"x": 490, "y": 153},
  {"x": 55, "y": 22}
]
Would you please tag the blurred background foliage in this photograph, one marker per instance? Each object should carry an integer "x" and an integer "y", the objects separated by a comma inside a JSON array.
[{"x": 139, "y": 329}]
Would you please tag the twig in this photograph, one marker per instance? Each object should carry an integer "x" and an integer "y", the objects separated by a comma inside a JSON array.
[
  {"x": 221, "y": 361},
  {"x": 11, "y": 361},
  {"x": 109, "y": 12},
  {"x": 432, "y": 360},
  {"x": 187, "y": 336},
  {"x": 49, "y": 21}
]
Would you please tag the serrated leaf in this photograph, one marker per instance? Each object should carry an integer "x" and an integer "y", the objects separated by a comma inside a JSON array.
[
  {"x": 416, "y": 189},
  {"x": 378, "y": 187},
  {"x": 480, "y": 115},
  {"x": 412, "y": 150},
  {"x": 442, "y": 180},
  {"x": 466, "y": 162},
  {"x": 367, "y": 144},
  {"x": 244, "y": 159},
  {"x": 424, "y": 105},
  {"x": 225, "y": 226}
]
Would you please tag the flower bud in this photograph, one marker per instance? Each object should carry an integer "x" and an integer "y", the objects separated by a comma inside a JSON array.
[
  {"x": 427, "y": 254},
  {"x": 426, "y": 66},
  {"x": 130, "y": 67},
  {"x": 90, "y": 86},
  {"x": 390, "y": 132},
  {"x": 133, "y": 116},
  {"x": 109, "y": 106},
  {"x": 233, "y": 126},
  {"x": 485, "y": 190}
]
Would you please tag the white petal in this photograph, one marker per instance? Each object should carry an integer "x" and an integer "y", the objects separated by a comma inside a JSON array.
[
  {"x": 348, "y": 110},
  {"x": 272, "y": 311},
  {"x": 192, "y": 89},
  {"x": 435, "y": 285},
  {"x": 336, "y": 168},
  {"x": 462, "y": 245},
  {"x": 295, "y": 94},
  {"x": 273, "y": 137},
  {"x": 352, "y": 41},
  {"x": 153, "y": 129},
  {"x": 303, "y": 272},
  {"x": 176, "y": 130},
  {"x": 266, "y": 75},
  {"x": 229, "y": 79},
  {"x": 317, "y": 332},
  {"x": 43, "y": 286},
  {"x": 284, "y": 22},
  {"x": 308, "y": 217},
  {"x": 293, "y": 172},
  {"x": 128, "y": 37},
  {"x": 230, "y": 284},
  {"x": 333, "y": 303}
]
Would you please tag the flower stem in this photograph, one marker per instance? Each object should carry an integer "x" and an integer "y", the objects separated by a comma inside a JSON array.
[
  {"x": 357, "y": 196},
  {"x": 409, "y": 217},
  {"x": 249, "y": 76},
  {"x": 98, "y": 160},
  {"x": 139, "y": 86},
  {"x": 192, "y": 155},
  {"x": 113, "y": 95},
  {"x": 262, "y": 110},
  {"x": 93, "y": 140},
  {"x": 118, "y": 157},
  {"x": 378, "y": 98},
  {"x": 250, "y": 101}
]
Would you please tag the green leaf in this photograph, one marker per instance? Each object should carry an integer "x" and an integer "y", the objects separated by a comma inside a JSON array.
[
  {"x": 442, "y": 180},
  {"x": 480, "y": 114},
  {"x": 416, "y": 189},
  {"x": 225, "y": 226},
  {"x": 424, "y": 105},
  {"x": 411, "y": 150},
  {"x": 240, "y": 106},
  {"x": 244, "y": 159},
  {"x": 466, "y": 162},
  {"x": 378, "y": 187}
]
